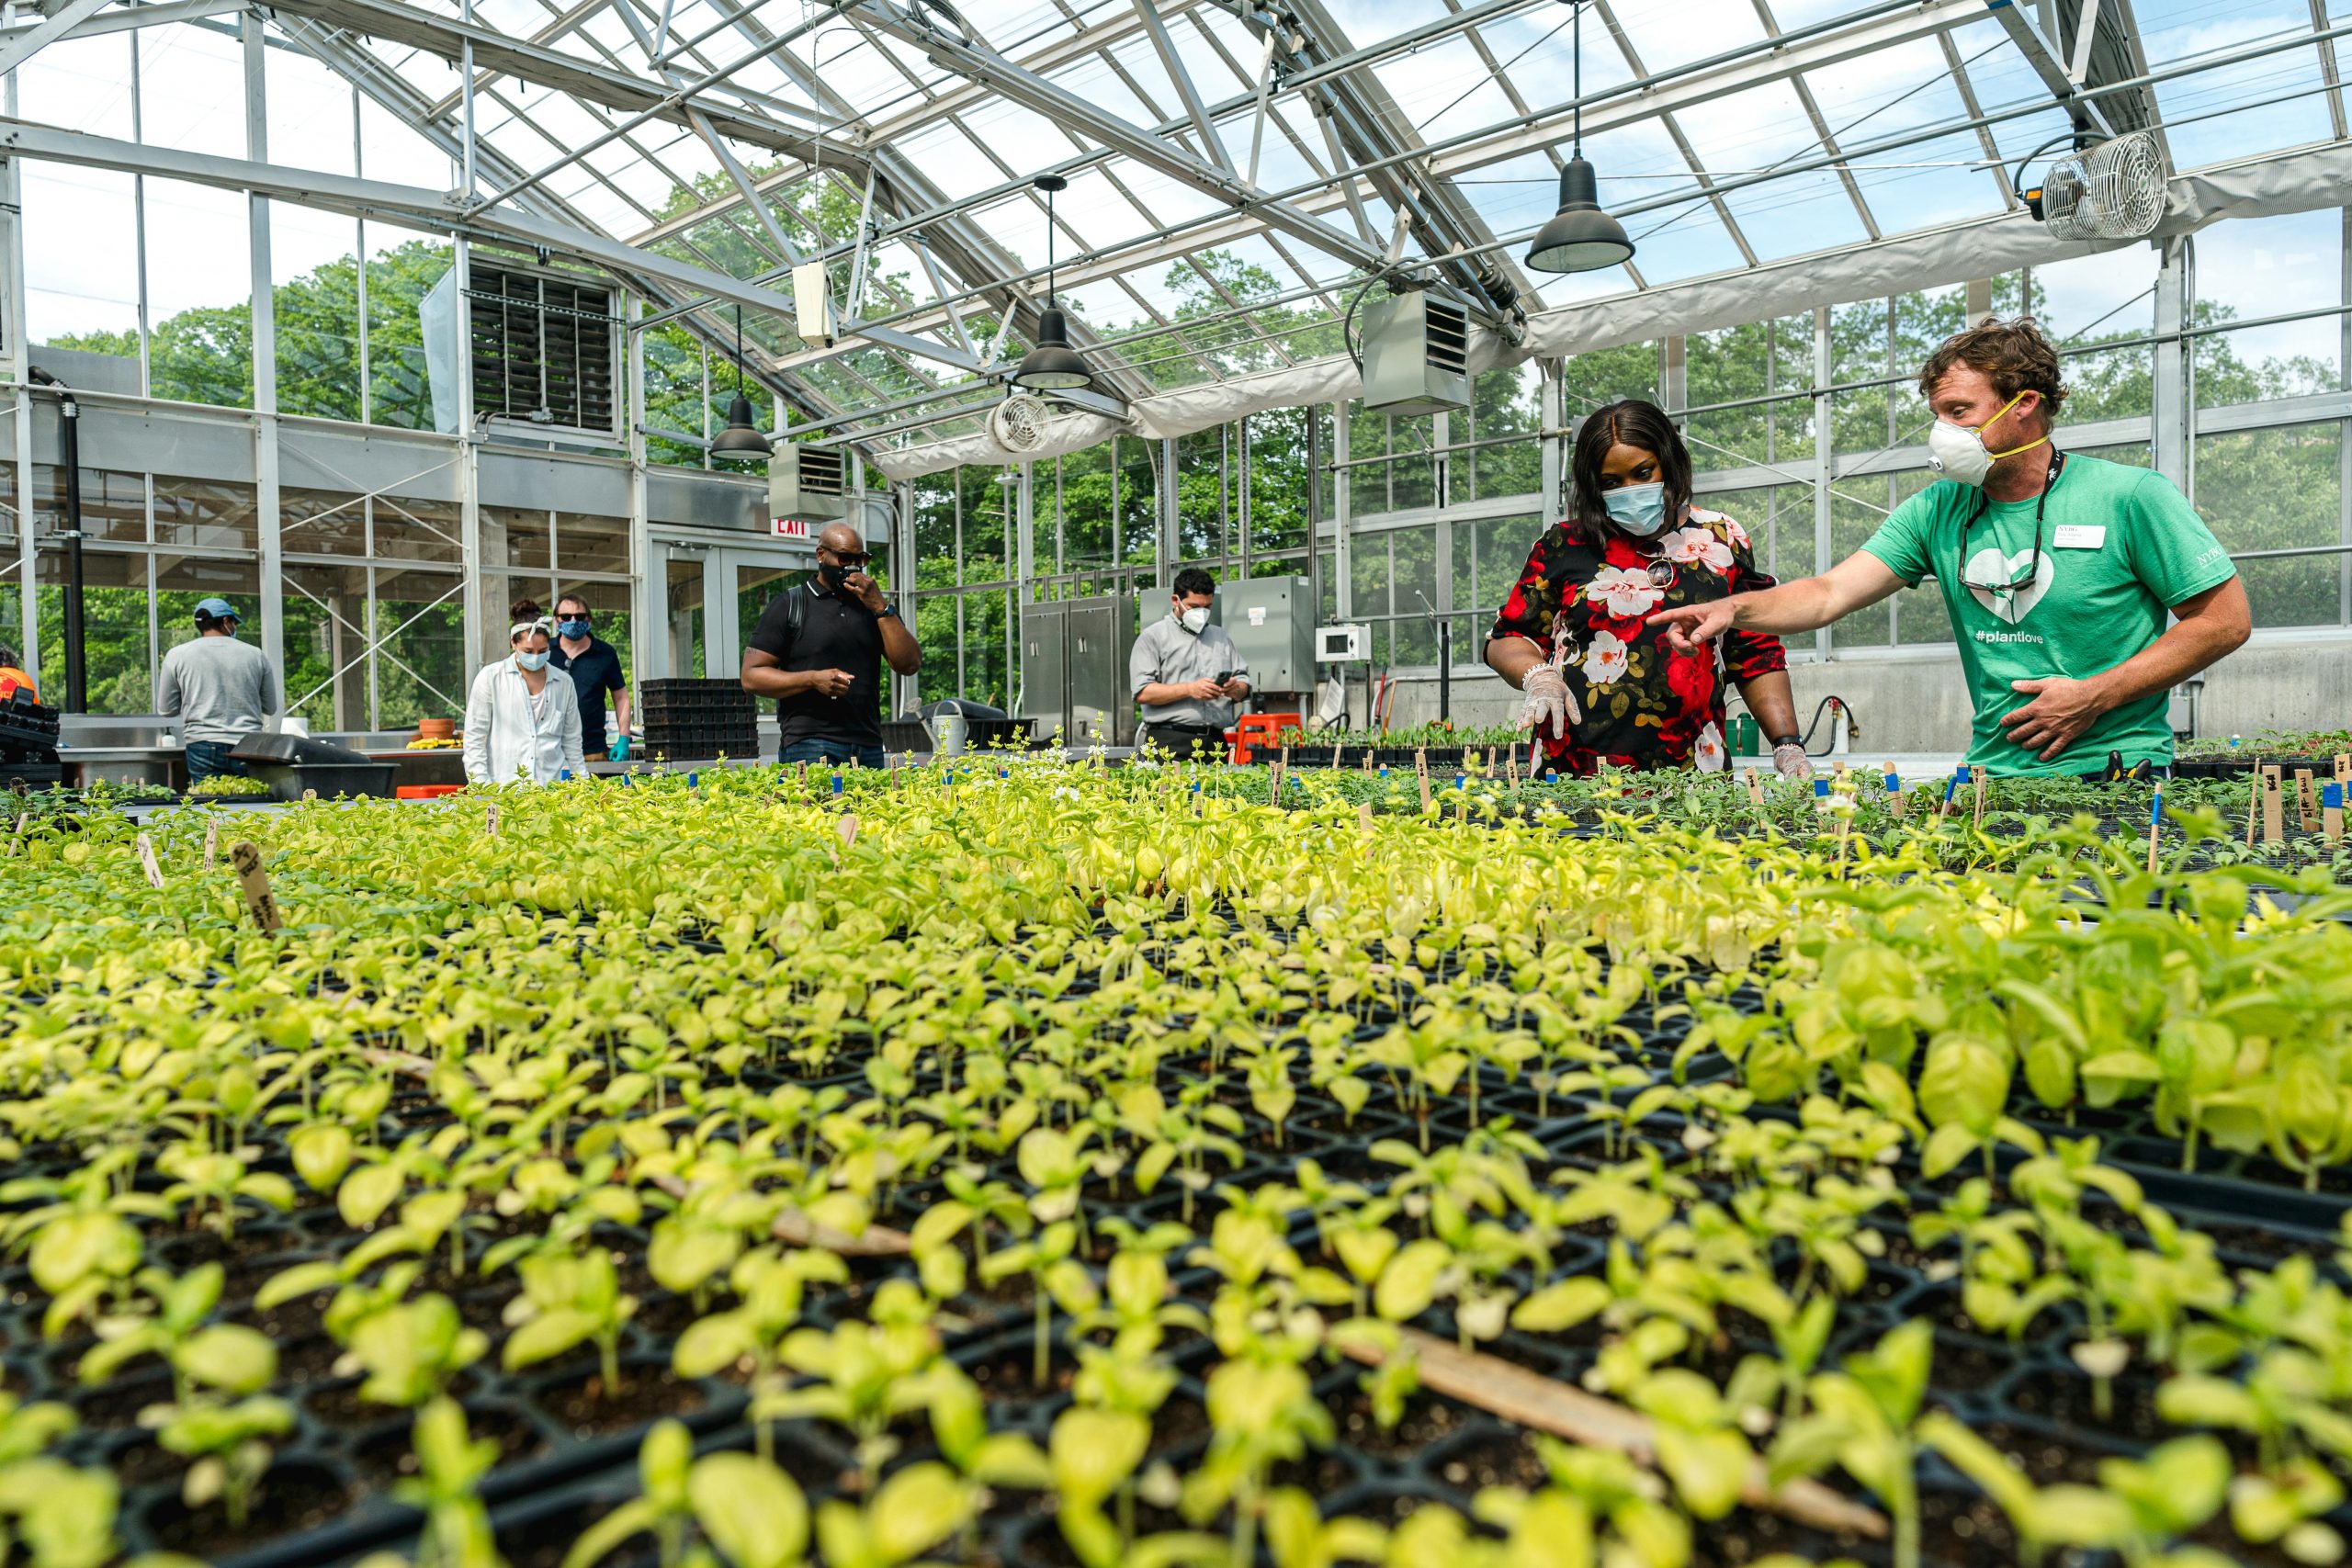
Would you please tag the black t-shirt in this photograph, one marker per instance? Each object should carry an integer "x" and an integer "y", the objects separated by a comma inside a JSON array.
[
  {"x": 834, "y": 634},
  {"x": 594, "y": 673}
]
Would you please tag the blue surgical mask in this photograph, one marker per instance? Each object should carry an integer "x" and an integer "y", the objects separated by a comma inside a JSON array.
[
  {"x": 530, "y": 660},
  {"x": 572, "y": 629},
  {"x": 1640, "y": 509}
]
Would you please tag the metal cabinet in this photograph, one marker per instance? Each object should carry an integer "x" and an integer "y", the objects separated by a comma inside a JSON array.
[
  {"x": 1272, "y": 623},
  {"x": 1102, "y": 634},
  {"x": 1074, "y": 670}
]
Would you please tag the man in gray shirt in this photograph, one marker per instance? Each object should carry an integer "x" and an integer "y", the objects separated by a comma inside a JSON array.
[
  {"x": 1186, "y": 674},
  {"x": 220, "y": 688}
]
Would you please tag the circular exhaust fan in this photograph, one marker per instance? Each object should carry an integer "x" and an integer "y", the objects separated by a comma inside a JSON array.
[
  {"x": 1018, "y": 423},
  {"x": 2114, "y": 190}
]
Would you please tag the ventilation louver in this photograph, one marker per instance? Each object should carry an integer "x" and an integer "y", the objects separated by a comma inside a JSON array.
[
  {"x": 807, "y": 484},
  {"x": 1415, "y": 355},
  {"x": 545, "y": 348}
]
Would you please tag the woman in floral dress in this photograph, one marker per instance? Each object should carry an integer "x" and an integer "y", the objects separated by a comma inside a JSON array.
[{"x": 1601, "y": 684}]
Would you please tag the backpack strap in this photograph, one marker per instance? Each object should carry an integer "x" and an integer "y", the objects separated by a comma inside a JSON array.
[{"x": 796, "y": 617}]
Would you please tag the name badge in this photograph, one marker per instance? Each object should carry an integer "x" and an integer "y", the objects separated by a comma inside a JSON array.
[{"x": 2080, "y": 535}]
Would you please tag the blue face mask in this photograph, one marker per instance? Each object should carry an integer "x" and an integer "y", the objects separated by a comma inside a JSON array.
[
  {"x": 572, "y": 629},
  {"x": 1640, "y": 509},
  {"x": 530, "y": 660}
]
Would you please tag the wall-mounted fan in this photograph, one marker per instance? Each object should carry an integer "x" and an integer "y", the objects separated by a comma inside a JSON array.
[
  {"x": 2110, "y": 190},
  {"x": 1018, "y": 423}
]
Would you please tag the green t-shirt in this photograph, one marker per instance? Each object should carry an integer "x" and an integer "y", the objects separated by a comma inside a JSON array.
[{"x": 2119, "y": 547}]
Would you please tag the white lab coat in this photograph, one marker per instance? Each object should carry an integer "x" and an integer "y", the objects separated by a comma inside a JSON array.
[{"x": 503, "y": 741}]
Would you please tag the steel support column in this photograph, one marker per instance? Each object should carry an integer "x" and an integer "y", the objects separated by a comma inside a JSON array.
[
  {"x": 12, "y": 211},
  {"x": 2172, "y": 389},
  {"x": 272, "y": 582},
  {"x": 1825, "y": 456}
]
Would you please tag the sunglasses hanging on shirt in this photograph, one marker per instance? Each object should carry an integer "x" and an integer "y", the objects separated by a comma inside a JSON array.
[{"x": 2033, "y": 566}]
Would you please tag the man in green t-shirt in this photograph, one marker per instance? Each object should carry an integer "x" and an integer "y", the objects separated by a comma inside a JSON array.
[{"x": 2058, "y": 570}]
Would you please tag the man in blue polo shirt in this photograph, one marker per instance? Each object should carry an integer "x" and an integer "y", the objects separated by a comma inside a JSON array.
[{"x": 594, "y": 669}]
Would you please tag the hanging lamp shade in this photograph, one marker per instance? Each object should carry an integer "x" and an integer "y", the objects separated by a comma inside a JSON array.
[
  {"x": 741, "y": 439},
  {"x": 1053, "y": 366},
  {"x": 1581, "y": 237}
]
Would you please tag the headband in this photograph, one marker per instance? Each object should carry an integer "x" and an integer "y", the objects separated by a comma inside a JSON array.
[{"x": 521, "y": 627}]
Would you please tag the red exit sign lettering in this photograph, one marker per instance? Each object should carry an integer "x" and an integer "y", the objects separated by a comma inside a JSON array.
[{"x": 792, "y": 528}]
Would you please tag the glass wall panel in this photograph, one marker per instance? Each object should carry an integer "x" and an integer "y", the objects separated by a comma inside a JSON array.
[
  {"x": 2278, "y": 489},
  {"x": 117, "y": 653},
  {"x": 205, "y": 514},
  {"x": 420, "y": 667},
  {"x": 412, "y": 530}
]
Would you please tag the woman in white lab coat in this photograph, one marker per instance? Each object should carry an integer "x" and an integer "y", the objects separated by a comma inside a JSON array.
[{"x": 522, "y": 718}]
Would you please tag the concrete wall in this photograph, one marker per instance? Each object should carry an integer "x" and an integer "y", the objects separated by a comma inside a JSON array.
[{"x": 1917, "y": 703}]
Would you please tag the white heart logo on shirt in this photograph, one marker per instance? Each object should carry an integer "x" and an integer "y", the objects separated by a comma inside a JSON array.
[{"x": 1988, "y": 565}]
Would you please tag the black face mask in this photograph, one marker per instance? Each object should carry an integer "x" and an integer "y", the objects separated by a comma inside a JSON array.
[{"x": 832, "y": 576}]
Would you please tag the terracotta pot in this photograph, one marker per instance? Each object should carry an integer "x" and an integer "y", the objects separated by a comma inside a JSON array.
[{"x": 436, "y": 729}]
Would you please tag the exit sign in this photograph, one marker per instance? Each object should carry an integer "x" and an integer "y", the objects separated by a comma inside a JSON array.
[{"x": 791, "y": 527}]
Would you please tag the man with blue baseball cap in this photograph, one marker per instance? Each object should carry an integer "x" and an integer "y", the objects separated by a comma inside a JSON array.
[{"x": 220, "y": 688}]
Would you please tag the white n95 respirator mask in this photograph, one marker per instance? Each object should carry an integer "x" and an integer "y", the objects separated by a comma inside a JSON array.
[{"x": 1957, "y": 452}]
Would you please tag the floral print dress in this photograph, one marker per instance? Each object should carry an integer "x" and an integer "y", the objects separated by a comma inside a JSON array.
[{"x": 1584, "y": 601}]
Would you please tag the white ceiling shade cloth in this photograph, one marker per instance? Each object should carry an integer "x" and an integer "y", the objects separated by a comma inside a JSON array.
[{"x": 2289, "y": 181}]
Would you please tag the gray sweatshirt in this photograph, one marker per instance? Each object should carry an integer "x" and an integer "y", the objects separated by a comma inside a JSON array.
[{"x": 220, "y": 688}]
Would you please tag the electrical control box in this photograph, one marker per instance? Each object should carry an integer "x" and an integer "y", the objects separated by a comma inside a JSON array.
[
  {"x": 1415, "y": 355},
  {"x": 1272, "y": 623},
  {"x": 1342, "y": 645}
]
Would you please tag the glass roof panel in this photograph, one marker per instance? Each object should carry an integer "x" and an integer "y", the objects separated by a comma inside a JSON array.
[
  {"x": 192, "y": 90},
  {"x": 1446, "y": 89},
  {"x": 84, "y": 84},
  {"x": 1667, "y": 33},
  {"x": 1797, "y": 215},
  {"x": 1929, "y": 183}
]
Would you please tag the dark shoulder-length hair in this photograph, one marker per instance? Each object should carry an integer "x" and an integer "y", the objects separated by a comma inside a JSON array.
[{"x": 1634, "y": 423}]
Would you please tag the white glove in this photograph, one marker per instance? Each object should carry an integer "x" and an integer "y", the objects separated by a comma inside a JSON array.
[
  {"x": 1791, "y": 763},
  {"x": 1549, "y": 708}
]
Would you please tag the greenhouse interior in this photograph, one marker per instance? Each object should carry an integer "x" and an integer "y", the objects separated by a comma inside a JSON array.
[{"x": 1275, "y": 783}]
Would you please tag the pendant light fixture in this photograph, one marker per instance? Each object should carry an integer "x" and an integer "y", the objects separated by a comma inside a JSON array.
[
  {"x": 1053, "y": 366},
  {"x": 1581, "y": 237},
  {"x": 741, "y": 439}
]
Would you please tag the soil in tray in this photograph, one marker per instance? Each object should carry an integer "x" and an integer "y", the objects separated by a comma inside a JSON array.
[
  {"x": 291, "y": 1498},
  {"x": 647, "y": 1392},
  {"x": 1429, "y": 1419},
  {"x": 2065, "y": 1399}
]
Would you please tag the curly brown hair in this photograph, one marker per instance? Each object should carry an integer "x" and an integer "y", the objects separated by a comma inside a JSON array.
[
  {"x": 2012, "y": 355},
  {"x": 525, "y": 610}
]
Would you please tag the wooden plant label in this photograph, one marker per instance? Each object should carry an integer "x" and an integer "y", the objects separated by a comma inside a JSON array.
[
  {"x": 490, "y": 823},
  {"x": 1335, "y": 752},
  {"x": 2253, "y": 802},
  {"x": 147, "y": 862},
  {"x": 1363, "y": 819},
  {"x": 310, "y": 794},
  {"x": 2155, "y": 827},
  {"x": 211, "y": 841},
  {"x": 1976, "y": 777},
  {"x": 254, "y": 882},
  {"x": 1367, "y": 761},
  {"x": 1899, "y": 802},
  {"x": 22, "y": 818},
  {"x": 2274, "y": 807},
  {"x": 2307, "y": 797},
  {"x": 2343, "y": 767},
  {"x": 1510, "y": 765},
  {"x": 2332, "y": 811},
  {"x": 848, "y": 829},
  {"x": 1421, "y": 772}
]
